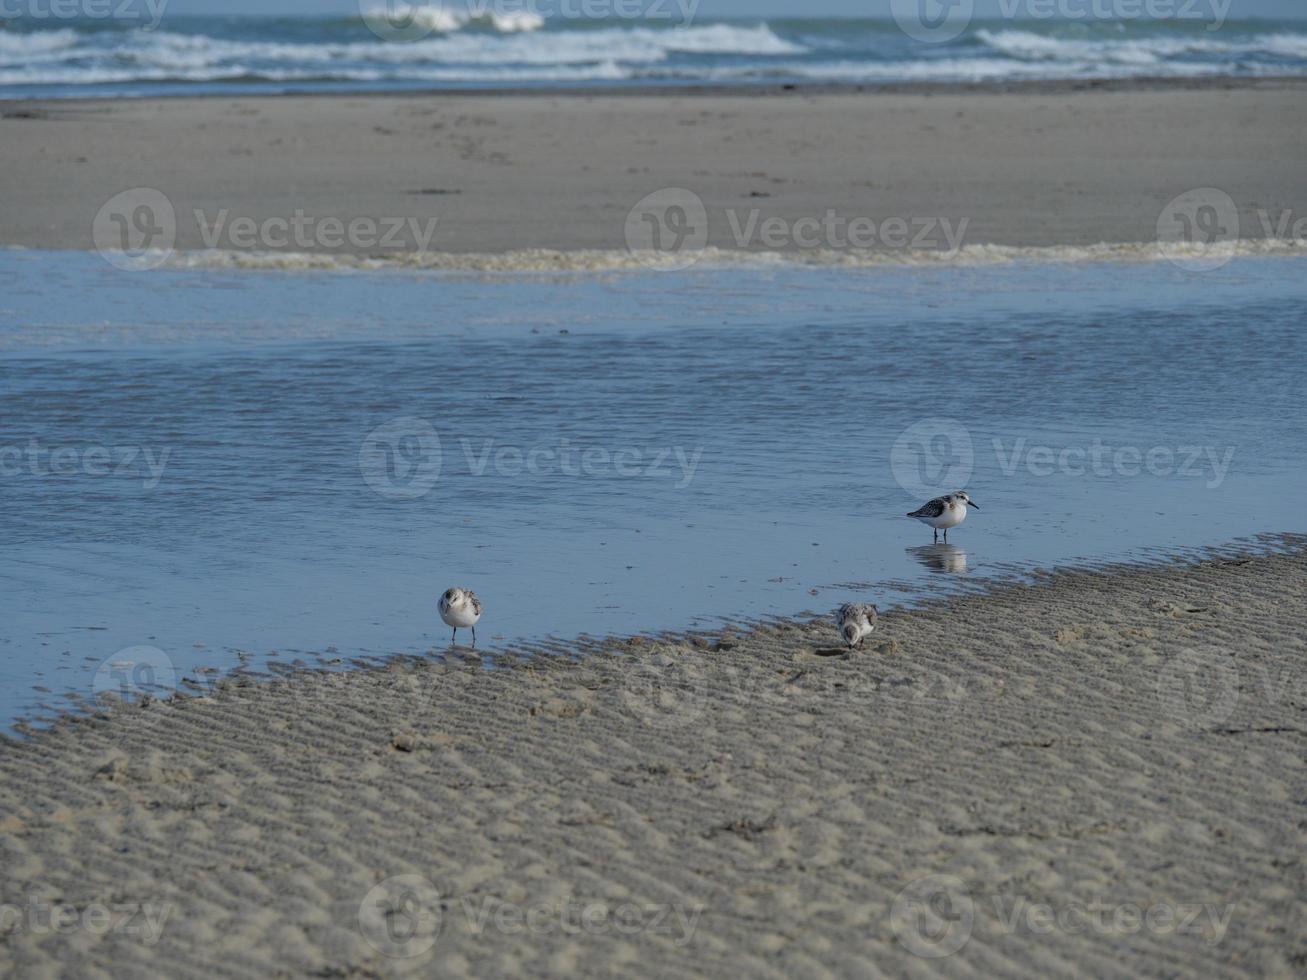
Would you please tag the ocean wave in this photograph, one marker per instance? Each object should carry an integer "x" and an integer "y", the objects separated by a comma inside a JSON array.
[
  {"x": 443, "y": 21},
  {"x": 193, "y": 54},
  {"x": 947, "y": 70},
  {"x": 1028, "y": 45},
  {"x": 600, "y": 71},
  {"x": 57, "y": 58}
]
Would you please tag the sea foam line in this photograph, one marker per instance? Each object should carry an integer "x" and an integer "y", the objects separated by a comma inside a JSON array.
[{"x": 622, "y": 260}]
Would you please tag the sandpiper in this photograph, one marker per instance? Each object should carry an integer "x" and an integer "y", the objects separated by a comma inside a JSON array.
[
  {"x": 945, "y": 512},
  {"x": 856, "y": 620},
  {"x": 460, "y": 608}
]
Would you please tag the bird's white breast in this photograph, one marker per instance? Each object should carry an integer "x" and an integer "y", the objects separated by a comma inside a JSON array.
[
  {"x": 953, "y": 516},
  {"x": 460, "y": 616}
]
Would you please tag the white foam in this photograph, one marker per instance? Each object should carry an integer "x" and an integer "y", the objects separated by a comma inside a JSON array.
[
  {"x": 1028, "y": 45},
  {"x": 522, "y": 50},
  {"x": 444, "y": 21},
  {"x": 617, "y": 260}
]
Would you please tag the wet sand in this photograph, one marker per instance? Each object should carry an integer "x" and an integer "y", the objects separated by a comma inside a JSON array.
[
  {"x": 1100, "y": 774},
  {"x": 1026, "y": 166}
]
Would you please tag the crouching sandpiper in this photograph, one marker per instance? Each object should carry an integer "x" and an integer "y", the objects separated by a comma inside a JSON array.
[
  {"x": 945, "y": 512},
  {"x": 856, "y": 620},
  {"x": 460, "y": 608}
]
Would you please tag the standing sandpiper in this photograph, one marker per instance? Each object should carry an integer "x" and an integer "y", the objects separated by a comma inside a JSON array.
[
  {"x": 460, "y": 608},
  {"x": 945, "y": 512}
]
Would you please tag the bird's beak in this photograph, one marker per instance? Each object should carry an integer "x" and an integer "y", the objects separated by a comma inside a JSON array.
[{"x": 974, "y": 504}]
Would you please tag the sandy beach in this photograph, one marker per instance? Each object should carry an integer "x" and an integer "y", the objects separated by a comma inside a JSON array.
[
  {"x": 1039, "y": 165},
  {"x": 1098, "y": 774}
]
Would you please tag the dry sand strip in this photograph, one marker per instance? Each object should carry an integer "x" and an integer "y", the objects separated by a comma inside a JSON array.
[
  {"x": 1041, "y": 166},
  {"x": 1099, "y": 775}
]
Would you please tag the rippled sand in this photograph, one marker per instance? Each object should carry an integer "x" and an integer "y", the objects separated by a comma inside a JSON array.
[{"x": 1101, "y": 774}]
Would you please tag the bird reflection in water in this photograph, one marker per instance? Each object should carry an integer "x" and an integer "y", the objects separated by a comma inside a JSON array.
[{"x": 941, "y": 557}]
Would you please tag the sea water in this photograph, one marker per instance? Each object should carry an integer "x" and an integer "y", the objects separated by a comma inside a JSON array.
[
  {"x": 143, "y": 48},
  {"x": 259, "y": 467}
]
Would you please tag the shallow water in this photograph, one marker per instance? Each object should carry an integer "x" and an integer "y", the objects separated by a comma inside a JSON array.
[{"x": 206, "y": 462}]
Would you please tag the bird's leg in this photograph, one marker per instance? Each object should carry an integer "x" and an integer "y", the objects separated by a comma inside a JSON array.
[
  {"x": 453, "y": 640},
  {"x": 936, "y": 535},
  {"x": 946, "y": 535},
  {"x": 474, "y": 636}
]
